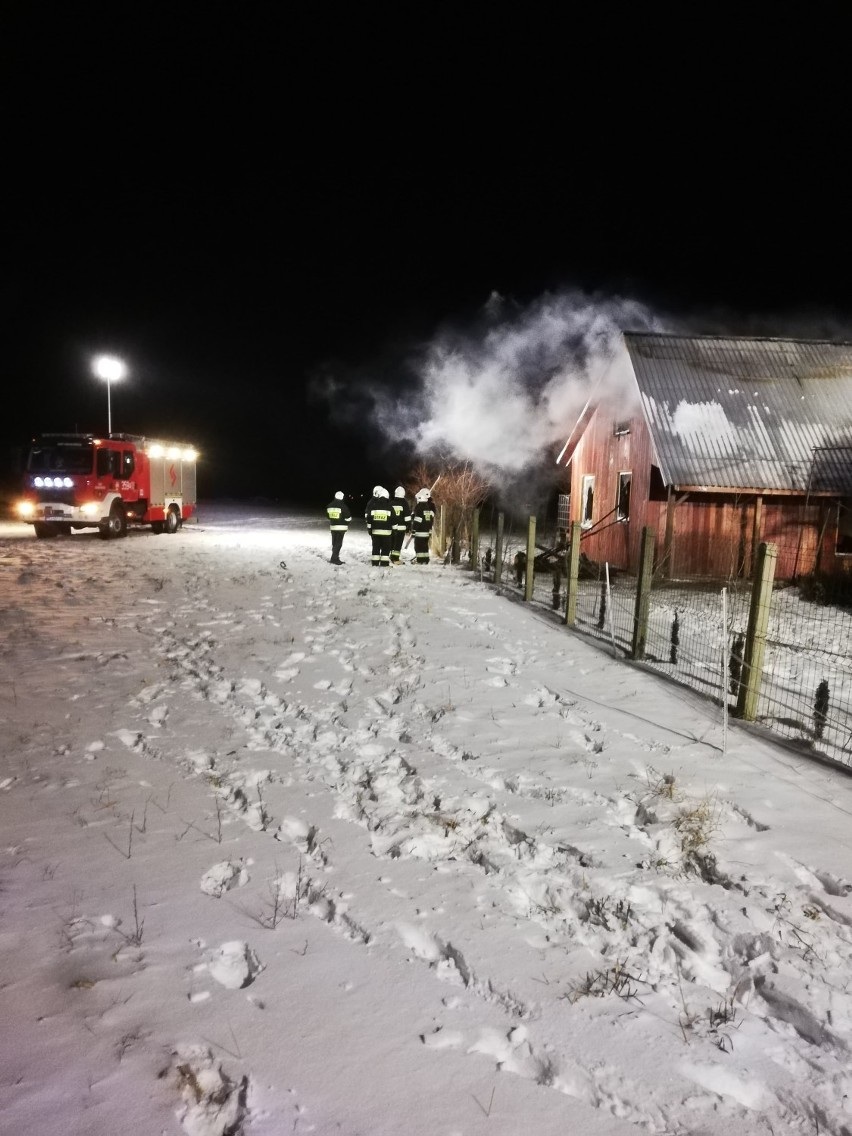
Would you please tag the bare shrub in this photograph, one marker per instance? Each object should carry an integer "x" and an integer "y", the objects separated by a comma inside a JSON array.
[{"x": 459, "y": 490}]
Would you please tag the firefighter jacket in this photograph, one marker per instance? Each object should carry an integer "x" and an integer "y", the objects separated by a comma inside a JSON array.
[
  {"x": 401, "y": 515},
  {"x": 379, "y": 517},
  {"x": 339, "y": 517},
  {"x": 423, "y": 518}
]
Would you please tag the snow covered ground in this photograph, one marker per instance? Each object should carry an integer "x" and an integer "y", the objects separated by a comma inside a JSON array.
[{"x": 304, "y": 849}]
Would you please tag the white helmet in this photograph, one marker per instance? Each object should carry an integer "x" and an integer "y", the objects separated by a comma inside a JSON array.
[
  {"x": 338, "y": 496},
  {"x": 399, "y": 491},
  {"x": 423, "y": 495},
  {"x": 378, "y": 491}
]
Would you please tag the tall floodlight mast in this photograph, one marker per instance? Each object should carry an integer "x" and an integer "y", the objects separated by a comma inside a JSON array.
[{"x": 112, "y": 370}]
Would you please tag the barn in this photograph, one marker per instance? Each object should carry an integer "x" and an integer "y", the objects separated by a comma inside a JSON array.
[{"x": 718, "y": 443}]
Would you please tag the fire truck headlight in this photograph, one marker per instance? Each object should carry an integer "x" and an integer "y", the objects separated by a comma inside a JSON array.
[
  {"x": 48, "y": 483},
  {"x": 67, "y": 482},
  {"x": 38, "y": 482},
  {"x": 25, "y": 508},
  {"x": 189, "y": 455},
  {"x": 90, "y": 509}
]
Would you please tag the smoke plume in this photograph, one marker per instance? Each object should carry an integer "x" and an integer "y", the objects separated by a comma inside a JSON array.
[
  {"x": 504, "y": 398},
  {"x": 505, "y": 393}
]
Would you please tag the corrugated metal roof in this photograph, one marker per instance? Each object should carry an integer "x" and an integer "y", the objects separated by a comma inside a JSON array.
[{"x": 744, "y": 414}]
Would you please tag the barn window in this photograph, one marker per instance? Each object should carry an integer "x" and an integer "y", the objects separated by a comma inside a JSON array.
[
  {"x": 844, "y": 528},
  {"x": 619, "y": 429},
  {"x": 622, "y": 502},
  {"x": 587, "y": 500},
  {"x": 563, "y": 511}
]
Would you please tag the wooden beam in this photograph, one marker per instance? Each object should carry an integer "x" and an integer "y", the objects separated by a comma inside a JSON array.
[
  {"x": 672, "y": 501},
  {"x": 757, "y": 525}
]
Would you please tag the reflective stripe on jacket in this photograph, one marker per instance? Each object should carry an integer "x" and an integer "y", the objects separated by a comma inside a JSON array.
[
  {"x": 422, "y": 519},
  {"x": 401, "y": 515},
  {"x": 338, "y": 516},
  {"x": 379, "y": 518}
]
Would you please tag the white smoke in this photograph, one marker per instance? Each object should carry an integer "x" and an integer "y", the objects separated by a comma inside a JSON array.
[
  {"x": 508, "y": 396},
  {"x": 502, "y": 399}
]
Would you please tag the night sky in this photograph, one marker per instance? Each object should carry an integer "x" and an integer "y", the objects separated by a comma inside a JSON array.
[{"x": 238, "y": 204}]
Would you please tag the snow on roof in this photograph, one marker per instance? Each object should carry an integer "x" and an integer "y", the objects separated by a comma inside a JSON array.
[{"x": 738, "y": 413}]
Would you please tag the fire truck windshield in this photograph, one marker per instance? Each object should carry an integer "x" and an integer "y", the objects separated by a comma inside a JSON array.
[{"x": 66, "y": 457}]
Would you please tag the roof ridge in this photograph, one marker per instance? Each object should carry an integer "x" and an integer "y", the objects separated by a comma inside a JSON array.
[{"x": 737, "y": 338}]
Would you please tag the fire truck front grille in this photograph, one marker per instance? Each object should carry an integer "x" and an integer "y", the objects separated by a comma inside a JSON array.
[{"x": 57, "y": 496}]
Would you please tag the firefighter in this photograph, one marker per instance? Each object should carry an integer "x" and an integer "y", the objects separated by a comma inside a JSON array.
[
  {"x": 379, "y": 518},
  {"x": 422, "y": 519},
  {"x": 401, "y": 521},
  {"x": 339, "y": 519}
]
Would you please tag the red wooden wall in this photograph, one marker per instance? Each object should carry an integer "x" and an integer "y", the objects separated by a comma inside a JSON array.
[{"x": 712, "y": 534}]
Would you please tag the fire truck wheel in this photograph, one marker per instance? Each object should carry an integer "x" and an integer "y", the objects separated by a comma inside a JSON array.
[
  {"x": 116, "y": 524},
  {"x": 172, "y": 521},
  {"x": 44, "y": 532}
]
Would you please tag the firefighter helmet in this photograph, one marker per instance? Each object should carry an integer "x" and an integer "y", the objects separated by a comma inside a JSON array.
[
  {"x": 380, "y": 491},
  {"x": 338, "y": 496},
  {"x": 423, "y": 495},
  {"x": 399, "y": 491}
]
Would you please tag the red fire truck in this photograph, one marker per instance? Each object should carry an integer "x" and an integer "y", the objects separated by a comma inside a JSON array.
[{"x": 79, "y": 481}]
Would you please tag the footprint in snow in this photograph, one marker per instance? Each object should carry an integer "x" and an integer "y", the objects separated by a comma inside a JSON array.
[
  {"x": 448, "y": 962},
  {"x": 234, "y": 964},
  {"x": 224, "y": 876},
  {"x": 212, "y": 1102},
  {"x": 304, "y": 837},
  {"x": 158, "y": 715},
  {"x": 583, "y": 741},
  {"x": 834, "y": 885},
  {"x": 510, "y": 1050}
]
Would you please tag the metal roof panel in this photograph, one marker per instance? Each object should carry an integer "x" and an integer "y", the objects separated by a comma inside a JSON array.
[{"x": 749, "y": 414}]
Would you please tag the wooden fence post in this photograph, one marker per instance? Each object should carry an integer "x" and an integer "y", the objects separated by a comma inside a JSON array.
[
  {"x": 573, "y": 575},
  {"x": 756, "y": 527},
  {"x": 668, "y": 543},
  {"x": 474, "y": 540},
  {"x": 643, "y": 594},
  {"x": 436, "y": 543},
  {"x": 529, "y": 578},
  {"x": 758, "y": 621},
  {"x": 498, "y": 552}
]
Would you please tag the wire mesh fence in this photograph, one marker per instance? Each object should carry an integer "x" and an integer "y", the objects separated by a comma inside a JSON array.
[
  {"x": 698, "y": 638},
  {"x": 694, "y": 637},
  {"x": 806, "y": 689}
]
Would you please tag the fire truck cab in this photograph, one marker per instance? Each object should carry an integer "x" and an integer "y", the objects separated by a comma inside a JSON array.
[{"x": 79, "y": 481}]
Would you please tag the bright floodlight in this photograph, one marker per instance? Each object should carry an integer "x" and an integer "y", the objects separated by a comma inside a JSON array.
[
  {"x": 109, "y": 367},
  {"x": 112, "y": 369}
]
